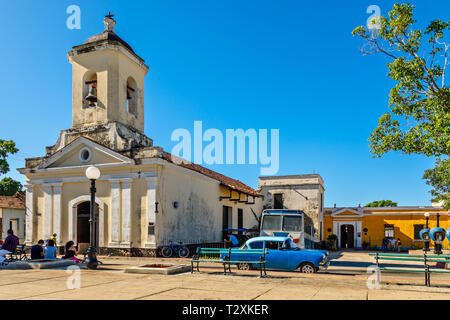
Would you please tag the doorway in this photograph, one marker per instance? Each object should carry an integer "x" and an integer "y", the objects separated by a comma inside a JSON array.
[
  {"x": 347, "y": 236},
  {"x": 83, "y": 225}
]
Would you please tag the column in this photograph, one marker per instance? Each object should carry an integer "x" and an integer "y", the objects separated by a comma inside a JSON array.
[
  {"x": 57, "y": 213},
  {"x": 29, "y": 215},
  {"x": 114, "y": 223},
  {"x": 47, "y": 211},
  {"x": 358, "y": 231},
  {"x": 151, "y": 216},
  {"x": 126, "y": 213}
]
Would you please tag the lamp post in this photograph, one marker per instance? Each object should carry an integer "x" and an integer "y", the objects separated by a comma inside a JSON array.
[
  {"x": 426, "y": 243},
  {"x": 92, "y": 173},
  {"x": 437, "y": 244}
]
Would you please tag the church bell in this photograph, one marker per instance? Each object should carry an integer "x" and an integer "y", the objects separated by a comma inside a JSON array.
[{"x": 91, "y": 98}]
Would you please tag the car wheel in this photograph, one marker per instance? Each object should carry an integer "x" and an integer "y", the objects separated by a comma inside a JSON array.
[
  {"x": 243, "y": 266},
  {"x": 307, "y": 267}
]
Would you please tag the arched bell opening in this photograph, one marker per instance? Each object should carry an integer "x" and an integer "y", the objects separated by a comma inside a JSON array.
[
  {"x": 132, "y": 96},
  {"x": 90, "y": 89}
]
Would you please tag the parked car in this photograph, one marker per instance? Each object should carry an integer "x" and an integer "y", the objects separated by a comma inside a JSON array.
[{"x": 283, "y": 254}]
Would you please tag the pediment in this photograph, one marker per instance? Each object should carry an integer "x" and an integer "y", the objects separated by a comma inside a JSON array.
[
  {"x": 347, "y": 212},
  {"x": 84, "y": 152}
]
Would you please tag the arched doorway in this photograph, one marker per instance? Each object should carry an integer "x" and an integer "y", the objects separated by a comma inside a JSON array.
[
  {"x": 83, "y": 225},
  {"x": 347, "y": 236}
]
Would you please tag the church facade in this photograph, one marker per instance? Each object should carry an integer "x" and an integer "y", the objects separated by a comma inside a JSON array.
[{"x": 145, "y": 196}]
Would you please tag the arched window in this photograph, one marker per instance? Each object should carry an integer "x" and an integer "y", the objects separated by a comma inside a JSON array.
[
  {"x": 90, "y": 89},
  {"x": 132, "y": 96}
]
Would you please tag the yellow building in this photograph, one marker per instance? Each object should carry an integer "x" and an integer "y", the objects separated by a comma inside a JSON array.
[{"x": 358, "y": 227}]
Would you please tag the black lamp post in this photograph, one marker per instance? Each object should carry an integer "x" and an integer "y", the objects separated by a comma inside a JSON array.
[
  {"x": 426, "y": 243},
  {"x": 92, "y": 173},
  {"x": 437, "y": 246}
]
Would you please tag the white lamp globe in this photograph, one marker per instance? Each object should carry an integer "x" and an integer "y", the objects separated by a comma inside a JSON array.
[
  {"x": 92, "y": 173},
  {"x": 426, "y": 214}
]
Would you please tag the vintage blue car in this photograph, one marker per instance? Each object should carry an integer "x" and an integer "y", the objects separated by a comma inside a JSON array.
[{"x": 283, "y": 254}]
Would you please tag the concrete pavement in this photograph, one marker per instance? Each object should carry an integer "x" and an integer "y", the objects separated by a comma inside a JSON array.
[{"x": 345, "y": 279}]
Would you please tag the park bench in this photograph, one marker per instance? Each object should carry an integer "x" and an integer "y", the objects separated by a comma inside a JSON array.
[
  {"x": 230, "y": 256},
  {"x": 19, "y": 254},
  {"x": 411, "y": 257}
]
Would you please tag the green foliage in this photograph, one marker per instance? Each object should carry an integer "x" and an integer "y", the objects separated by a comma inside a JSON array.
[
  {"x": 332, "y": 242},
  {"x": 439, "y": 178},
  {"x": 382, "y": 203},
  {"x": 419, "y": 117},
  {"x": 6, "y": 147},
  {"x": 9, "y": 187}
]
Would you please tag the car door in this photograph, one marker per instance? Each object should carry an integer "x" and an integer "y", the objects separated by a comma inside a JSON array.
[{"x": 276, "y": 258}]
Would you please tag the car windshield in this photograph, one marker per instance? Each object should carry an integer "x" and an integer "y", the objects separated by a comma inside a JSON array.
[
  {"x": 292, "y": 223},
  {"x": 271, "y": 222}
]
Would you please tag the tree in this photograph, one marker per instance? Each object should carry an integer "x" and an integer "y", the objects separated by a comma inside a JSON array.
[
  {"x": 382, "y": 203},
  {"x": 439, "y": 178},
  {"x": 9, "y": 187},
  {"x": 6, "y": 147},
  {"x": 419, "y": 117}
]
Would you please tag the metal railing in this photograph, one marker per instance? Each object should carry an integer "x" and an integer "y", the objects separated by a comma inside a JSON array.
[{"x": 426, "y": 259}]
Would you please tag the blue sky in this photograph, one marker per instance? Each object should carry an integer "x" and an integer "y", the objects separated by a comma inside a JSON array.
[{"x": 287, "y": 65}]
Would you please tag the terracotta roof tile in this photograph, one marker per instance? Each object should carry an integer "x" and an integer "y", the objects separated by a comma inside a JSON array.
[
  {"x": 224, "y": 180},
  {"x": 12, "y": 202}
]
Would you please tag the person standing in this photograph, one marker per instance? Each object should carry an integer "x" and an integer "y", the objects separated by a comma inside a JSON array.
[
  {"x": 53, "y": 237},
  {"x": 37, "y": 251},
  {"x": 384, "y": 244},
  {"x": 399, "y": 244}
]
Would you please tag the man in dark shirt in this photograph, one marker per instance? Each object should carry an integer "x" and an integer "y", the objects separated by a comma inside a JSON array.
[
  {"x": 11, "y": 241},
  {"x": 10, "y": 244},
  {"x": 37, "y": 251}
]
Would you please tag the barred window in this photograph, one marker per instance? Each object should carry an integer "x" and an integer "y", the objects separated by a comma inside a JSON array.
[{"x": 417, "y": 229}]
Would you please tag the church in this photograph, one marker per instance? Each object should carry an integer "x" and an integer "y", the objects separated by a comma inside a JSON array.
[{"x": 145, "y": 196}]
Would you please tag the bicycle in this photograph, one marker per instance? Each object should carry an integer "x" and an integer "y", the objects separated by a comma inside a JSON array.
[{"x": 177, "y": 248}]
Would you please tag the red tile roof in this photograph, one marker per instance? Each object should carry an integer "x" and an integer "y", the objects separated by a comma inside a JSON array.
[
  {"x": 224, "y": 180},
  {"x": 12, "y": 202}
]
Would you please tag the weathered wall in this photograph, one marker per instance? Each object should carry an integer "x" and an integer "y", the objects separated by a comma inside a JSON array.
[
  {"x": 7, "y": 214},
  {"x": 300, "y": 192},
  {"x": 113, "y": 68},
  {"x": 198, "y": 217}
]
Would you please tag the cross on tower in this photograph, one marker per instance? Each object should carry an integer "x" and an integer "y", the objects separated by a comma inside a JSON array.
[{"x": 109, "y": 15}]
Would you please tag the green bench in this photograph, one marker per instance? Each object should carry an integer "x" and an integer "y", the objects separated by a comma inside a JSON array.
[
  {"x": 228, "y": 257},
  {"x": 413, "y": 257},
  {"x": 20, "y": 254}
]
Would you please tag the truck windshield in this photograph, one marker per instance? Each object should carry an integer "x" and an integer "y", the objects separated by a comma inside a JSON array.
[
  {"x": 292, "y": 223},
  {"x": 271, "y": 222}
]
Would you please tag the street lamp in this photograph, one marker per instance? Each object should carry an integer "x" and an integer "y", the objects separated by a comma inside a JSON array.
[
  {"x": 425, "y": 235},
  {"x": 438, "y": 238},
  {"x": 92, "y": 173}
]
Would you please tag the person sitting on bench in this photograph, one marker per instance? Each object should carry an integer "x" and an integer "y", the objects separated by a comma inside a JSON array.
[
  {"x": 50, "y": 250},
  {"x": 37, "y": 251},
  {"x": 9, "y": 246}
]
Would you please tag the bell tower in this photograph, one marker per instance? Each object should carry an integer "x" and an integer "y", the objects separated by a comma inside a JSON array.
[{"x": 107, "y": 81}]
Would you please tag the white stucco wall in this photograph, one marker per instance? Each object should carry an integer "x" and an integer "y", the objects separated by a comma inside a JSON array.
[
  {"x": 198, "y": 217},
  {"x": 7, "y": 215}
]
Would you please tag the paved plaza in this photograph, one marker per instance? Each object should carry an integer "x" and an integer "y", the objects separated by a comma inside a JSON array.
[{"x": 346, "y": 278}]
